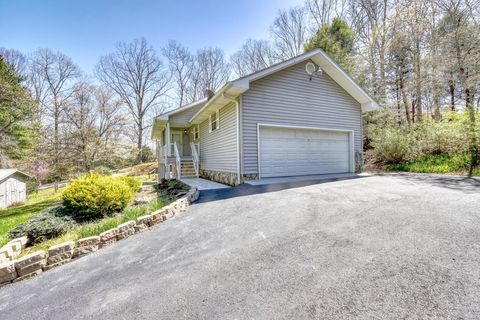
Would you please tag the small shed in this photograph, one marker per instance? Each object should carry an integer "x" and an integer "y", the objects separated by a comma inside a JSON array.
[{"x": 13, "y": 187}]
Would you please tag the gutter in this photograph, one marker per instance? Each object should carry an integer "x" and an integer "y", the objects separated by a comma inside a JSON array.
[{"x": 215, "y": 96}]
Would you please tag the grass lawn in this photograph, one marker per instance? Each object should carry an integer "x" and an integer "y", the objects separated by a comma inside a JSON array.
[
  {"x": 36, "y": 202},
  {"x": 442, "y": 163}
]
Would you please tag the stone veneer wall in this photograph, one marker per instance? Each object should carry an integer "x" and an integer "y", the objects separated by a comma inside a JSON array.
[
  {"x": 359, "y": 161},
  {"x": 228, "y": 178}
]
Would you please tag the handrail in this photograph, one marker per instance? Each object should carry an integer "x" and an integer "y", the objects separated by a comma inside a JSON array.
[
  {"x": 178, "y": 160},
  {"x": 196, "y": 158}
]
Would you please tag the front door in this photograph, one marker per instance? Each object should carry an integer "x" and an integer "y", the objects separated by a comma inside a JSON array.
[{"x": 177, "y": 137}]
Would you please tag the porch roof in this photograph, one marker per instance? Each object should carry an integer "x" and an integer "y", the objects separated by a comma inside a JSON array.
[{"x": 177, "y": 118}]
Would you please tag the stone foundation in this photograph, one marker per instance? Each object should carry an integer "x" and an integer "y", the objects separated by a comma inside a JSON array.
[
  {"x": 249, "y": 176},
  {"x": 358, "y": 161},
  {"x": 228, "y": 178}
]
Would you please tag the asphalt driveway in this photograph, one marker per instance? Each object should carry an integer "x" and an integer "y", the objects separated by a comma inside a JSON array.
[{"x": 382, "y": 247}]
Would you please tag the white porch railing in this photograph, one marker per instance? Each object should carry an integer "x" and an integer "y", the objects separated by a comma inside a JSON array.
[
  {"x": 196, "y": 158},
  {"x": 178, "y": 160}
]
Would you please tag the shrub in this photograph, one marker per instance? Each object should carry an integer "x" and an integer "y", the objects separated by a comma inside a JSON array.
[
  {"x": 391, "y": 144},
  {"x": 132, "y": 182},
  {"x": 94, "y": 196},
  {"x": 48, "y": 224}
]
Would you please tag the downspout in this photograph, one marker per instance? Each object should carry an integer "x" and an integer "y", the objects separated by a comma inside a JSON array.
[{"x": 237, "y": 109}]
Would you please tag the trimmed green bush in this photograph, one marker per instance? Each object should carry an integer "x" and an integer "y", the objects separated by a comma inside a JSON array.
[
  {"x": 94, "y": 196},
  {"x": 132, "y": 182},
  {"x": 48, "y": 224}
]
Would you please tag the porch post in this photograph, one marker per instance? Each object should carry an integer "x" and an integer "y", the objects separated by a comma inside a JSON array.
[
  {"x": 167, "y": 138},
  {"x": 169, "y": 151},
  {"x": 160, "y": 162}
]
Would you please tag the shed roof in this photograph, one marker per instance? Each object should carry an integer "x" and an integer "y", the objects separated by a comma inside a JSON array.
[{"x": 5, "y": 173}]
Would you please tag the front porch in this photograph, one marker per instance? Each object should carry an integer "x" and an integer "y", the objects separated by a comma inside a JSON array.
[{"x": 178, "y": 151}]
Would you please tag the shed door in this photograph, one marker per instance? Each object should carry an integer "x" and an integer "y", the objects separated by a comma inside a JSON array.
[{"x": 293, "y": 152}]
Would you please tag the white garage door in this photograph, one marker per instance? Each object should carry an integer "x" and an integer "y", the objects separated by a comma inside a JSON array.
[{"x": 292, "y": 152}]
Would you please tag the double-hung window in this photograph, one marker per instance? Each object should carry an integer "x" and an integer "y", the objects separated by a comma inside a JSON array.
[{"x": 214, "y": 121}]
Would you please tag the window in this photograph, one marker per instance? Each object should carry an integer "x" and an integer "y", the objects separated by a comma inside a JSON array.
[
  {"x": 214, "y": 121},
  {"x": 196, "y": 132}
]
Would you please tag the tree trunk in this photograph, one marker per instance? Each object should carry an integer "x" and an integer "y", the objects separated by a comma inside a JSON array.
[
  {"x": 140, "y": 141},
  {"x": 404, "y": 96},
  {"x": 452, "y": 95},
  {"x": 472, "y": 130}
]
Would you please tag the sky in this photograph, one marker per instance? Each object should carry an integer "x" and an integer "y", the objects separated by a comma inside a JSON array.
[{"x": 88, "y": 29}]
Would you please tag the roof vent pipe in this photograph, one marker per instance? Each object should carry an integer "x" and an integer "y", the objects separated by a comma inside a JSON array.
[{"x": 209, "y": 94}]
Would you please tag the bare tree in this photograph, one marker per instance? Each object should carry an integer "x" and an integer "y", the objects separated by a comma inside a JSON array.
[
  {"x": 289, "y": 32},
  {"x": 211, "y": 70},
  {"x": 323, "y": 11},
  {"x": 52, "y": 75},
  {"x": 181, "y": 65},
  {"x": 139, "y": 77},
  {"x": 253, "y": 56},
  {"x": 93, "y": 117},
  {"x": 370, "y": 20},
  {"x": 16, "y": 59}
]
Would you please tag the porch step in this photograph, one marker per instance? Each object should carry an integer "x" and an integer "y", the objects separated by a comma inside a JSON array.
[{"x": 187, "y": 169}]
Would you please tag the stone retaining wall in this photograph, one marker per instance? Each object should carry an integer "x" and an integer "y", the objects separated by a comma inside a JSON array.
[{"x": 12, "y": 269}]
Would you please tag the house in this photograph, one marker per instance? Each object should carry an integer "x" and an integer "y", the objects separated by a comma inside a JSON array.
[
  {"x": 13, "y": 187},
  {"x": 302, "y": 116}
]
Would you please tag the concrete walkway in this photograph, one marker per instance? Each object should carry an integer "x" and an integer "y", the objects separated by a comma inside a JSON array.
[
  {"x": 203, "y": 184},
  {"x": 316, "y": 177}
]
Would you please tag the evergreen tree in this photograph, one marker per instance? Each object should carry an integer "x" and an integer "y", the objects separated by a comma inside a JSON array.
[{"x": 337, "y": 39}]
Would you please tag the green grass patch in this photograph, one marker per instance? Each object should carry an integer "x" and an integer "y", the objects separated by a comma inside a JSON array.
[
  {"x": 441, "y": 163},
  {"x": 36, "y": 202},
  {"x": 95, "y": 228}
]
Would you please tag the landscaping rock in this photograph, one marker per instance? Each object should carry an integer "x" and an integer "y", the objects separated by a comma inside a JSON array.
[
  {"x": 61, "y": 257},
  {"x": 61, "y": 248},
  {"x": 30, "y": 259},
  {"x": 158, "y": 216},
  {"x": 7, "y": 272},
  {"x": 16, "y": 245},
  {"x": 86, "y": 245},
  {"x": 140, "y": 227},
  {"x": 108, "y": 237},
  {"x": 30, "y": 264},
  {"x": 125, "y": 230},
  {"x": 146, "y": 220},
  {"x": 89, "y": 241},
  {"x": 10, "y": 251},
  {"x": 6, "y": 254},
  {"x": 171, "y": 211},
  {"x": 27, "y": 276},
  {"x": 54, "y": 265},
  {"x": 23, "y": 240},
  {"x": 32, "y": 268}
]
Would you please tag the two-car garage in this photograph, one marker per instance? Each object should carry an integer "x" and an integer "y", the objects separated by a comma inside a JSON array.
[{"x": 291, "y": 151}]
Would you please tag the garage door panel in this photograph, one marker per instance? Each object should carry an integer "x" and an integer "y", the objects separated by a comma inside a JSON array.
[{"x": 289, "y": 152}]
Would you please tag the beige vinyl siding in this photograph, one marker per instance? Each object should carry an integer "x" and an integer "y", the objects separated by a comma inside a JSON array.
[
  {"x": 289, "y": 98},
  {"x": 218, "y": 149}
]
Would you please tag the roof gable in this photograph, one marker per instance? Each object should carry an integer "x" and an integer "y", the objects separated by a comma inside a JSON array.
[
  {"x": 235, "y": 88},
  {"x": 6, "y": 173}
]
